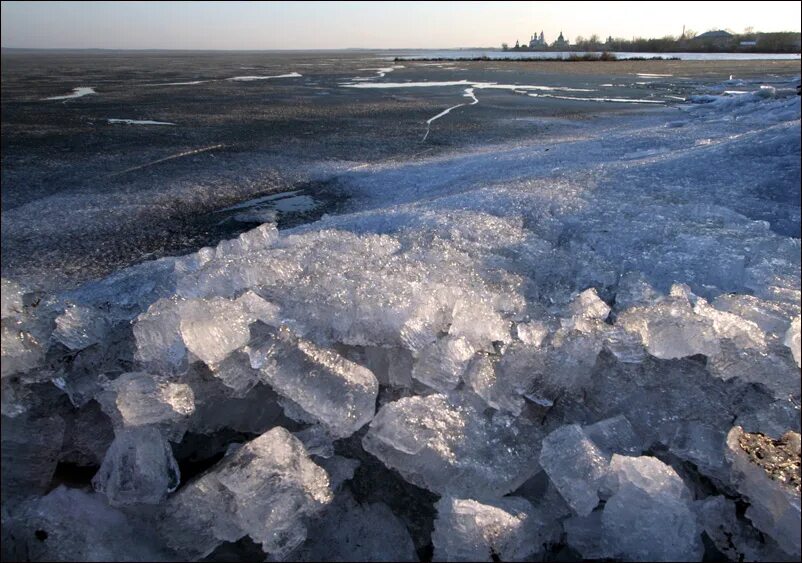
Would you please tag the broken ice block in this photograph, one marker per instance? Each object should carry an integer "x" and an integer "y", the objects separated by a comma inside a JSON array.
[
  {"x": 742, "y": 332},
  {"x": 702, "y": 445},
  {"x": 448, "y": 444},
  {"x": 615, "y": 436},
  {"x": 586, "y": 311},
  {"x": 158, "y": 335},
  {"x": 648, "y": 518},
  {"x": 575, "y": 465},
  {"x": 21, "y": 351},
  {"x": 479, "y": 324},
  {"x": 332, "y": 390},
  {"x": 497, "y": 389},
  {"x": 506, "y": 529},
  {"x": 584, "y": 534},
  {"x": 532, "y": 333},
  {"x": 139, "y": 467},
  {"x": 139, "y": 399},
  {"x": 646, "y": 473},
  {"x": 670, "y": 329},
  {"x": 213, "y": 328},
  {"x": 265, "y": 489},
  {"x": 441, "y": 364},
  {"x": 79, "y": 327},
  {"x": 237, "y": 374},
  {"x": 650, "y": 525}
]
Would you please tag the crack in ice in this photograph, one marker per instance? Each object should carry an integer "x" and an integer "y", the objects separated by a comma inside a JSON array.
[{"x": 468, "y": 94}]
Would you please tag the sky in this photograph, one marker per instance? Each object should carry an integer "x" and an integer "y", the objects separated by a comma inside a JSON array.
[{"x": 370, "y": 25}]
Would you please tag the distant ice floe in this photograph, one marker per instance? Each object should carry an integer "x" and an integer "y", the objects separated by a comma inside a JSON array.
[
  {"x": 76, "y": 93},
  {"x": 251, "y": 78},
  {"x": 138, "y": 122},
  {"x": 649, "y": 75}
]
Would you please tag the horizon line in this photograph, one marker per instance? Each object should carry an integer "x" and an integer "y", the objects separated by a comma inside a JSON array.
[{"x": 246, "y": 50}]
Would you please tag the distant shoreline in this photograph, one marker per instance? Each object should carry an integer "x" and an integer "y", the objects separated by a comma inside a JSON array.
[{"x": 588, "y": 57}]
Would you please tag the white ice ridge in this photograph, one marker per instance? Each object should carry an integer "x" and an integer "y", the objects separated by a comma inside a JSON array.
[
  {"x": 468, "y": 94},
  {"x": 139, "y": 122},
  {"x": 251, "y": 78},
  {"x": 76, "y": 93}
]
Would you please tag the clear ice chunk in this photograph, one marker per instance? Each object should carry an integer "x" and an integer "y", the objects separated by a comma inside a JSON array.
[
  {"x": 213, "y": 328},
  {"x": 615, "y": 435},
  {"x": 650, "y": 525},
  {"x": 332, "y": 390},
  {"x": 532, "y": 333},
  {"x": 441, "y": 364},
  {"x": 670, "y": 329},
  {"x": 495, "y": 388},
  {"x": 506, "y": 529},
  {"x": 449, "y": 445},
  {"x": 158, "y": 336},
  {"x": 140, "y": 399},
  {"x": 646, "y": 473},
  {"x": 266, "y": 489},
  {"x": 575, "y": 465},
  {"x": 139, "y": 467},
  {"x": 79, "y": 327}
]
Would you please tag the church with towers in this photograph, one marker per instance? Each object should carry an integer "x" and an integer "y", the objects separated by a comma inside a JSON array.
[{"x": 537, "y": 42}]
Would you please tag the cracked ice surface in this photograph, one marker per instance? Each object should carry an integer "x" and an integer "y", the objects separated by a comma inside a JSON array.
[{"x": 556, "y": 343}]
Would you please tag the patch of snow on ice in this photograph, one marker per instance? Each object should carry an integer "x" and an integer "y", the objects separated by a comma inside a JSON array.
[
  {"x": 139, "y": 122},
  {"x": 76, "y": 93},
  {"x": 252, "y": 78}
]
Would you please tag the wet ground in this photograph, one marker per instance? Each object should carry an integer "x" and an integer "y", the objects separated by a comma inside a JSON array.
[{"x": 87, "y": 189}]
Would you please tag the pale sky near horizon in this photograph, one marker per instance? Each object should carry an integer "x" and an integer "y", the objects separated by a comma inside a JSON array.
[{"x": 339, "y": 25}]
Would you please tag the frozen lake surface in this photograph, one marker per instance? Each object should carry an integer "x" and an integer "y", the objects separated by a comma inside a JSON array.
[{"x": 435, "y": 314}]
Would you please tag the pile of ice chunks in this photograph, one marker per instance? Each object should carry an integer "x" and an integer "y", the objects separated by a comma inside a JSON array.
[{"x": 528, "y": 385}]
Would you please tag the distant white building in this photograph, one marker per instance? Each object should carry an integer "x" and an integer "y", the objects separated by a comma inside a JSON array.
[{"x": 537, "y": 42}]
